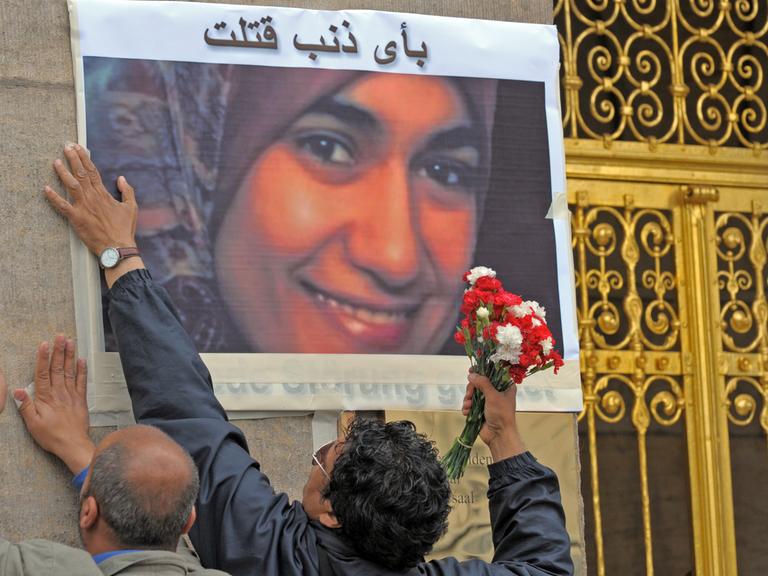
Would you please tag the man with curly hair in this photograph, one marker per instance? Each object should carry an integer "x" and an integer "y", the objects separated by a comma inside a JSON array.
[{"x": 377, "y": 499}]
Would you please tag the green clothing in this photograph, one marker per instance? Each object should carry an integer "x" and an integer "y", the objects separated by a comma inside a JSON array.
[
  {"x": 154, "y": 563},
  {"x": 45, "y": 558}
]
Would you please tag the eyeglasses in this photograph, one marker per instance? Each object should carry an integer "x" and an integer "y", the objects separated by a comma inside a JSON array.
[{"x": 319, "y": 456}]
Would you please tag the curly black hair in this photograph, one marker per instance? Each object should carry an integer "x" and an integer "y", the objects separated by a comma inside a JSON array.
[{"x": 389, "y": 492}]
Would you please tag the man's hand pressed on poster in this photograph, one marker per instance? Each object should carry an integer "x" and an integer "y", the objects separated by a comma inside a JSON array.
[{"x": 99, "y": 220}]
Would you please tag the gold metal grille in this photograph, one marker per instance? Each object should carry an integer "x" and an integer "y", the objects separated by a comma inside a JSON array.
[
  {"x": 741, "y": 256},
  {"x": 671, "y": 277},
  {"x": 629, "y": 323},
  {"x": 665, "y": 71},
  {"x": 666, "y": 124}
]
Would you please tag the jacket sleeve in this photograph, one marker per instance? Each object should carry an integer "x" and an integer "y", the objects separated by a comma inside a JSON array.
[
  {"x": 527, "y": 522},
  {"x": 527, "y": 516},
  {"x": 44, "y": 558},
  {"x": 242, "y": 526}
]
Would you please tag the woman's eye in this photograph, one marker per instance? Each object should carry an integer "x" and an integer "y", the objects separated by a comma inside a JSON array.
[
  {"x": 447, "y": 173},
  {"x": 327, "y": 149}
]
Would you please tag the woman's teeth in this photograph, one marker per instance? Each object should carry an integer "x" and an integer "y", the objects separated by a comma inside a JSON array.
[{"x": 362, "y": 314}]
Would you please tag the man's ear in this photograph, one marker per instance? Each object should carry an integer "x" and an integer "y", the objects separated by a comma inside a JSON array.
[
  {"x": 190, "y": 521},
  {"x": 89, "y": 513},
  {"x": 329, "y": 520}
]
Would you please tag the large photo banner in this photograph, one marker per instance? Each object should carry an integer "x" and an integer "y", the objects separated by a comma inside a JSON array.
[{"x": 314, "y": 184}]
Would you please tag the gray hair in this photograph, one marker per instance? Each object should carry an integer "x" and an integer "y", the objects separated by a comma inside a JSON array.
[{"x": 138, "y": 516}]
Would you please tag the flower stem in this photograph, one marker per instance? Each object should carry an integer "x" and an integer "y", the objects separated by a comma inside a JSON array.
[{"x": 456, "y": 459}]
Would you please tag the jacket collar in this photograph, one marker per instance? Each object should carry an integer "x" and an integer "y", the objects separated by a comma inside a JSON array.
[
  {"x": 169, "y": 562},
  {"x": 339, "y": 558}
]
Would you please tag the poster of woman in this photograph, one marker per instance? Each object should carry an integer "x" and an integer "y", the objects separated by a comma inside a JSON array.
[{"x": 304, "y": 206}]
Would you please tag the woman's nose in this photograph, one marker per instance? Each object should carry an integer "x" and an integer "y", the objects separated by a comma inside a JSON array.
[{"x": 385, "y": 239}]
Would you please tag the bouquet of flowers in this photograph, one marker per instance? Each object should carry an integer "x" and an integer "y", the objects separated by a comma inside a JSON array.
[{"x": 506, "y": 340}]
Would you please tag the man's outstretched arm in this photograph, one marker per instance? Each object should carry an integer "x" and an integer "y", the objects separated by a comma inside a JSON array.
[
  {"x": 242, "y": 527},
  {"x": 527, "y": 518}
]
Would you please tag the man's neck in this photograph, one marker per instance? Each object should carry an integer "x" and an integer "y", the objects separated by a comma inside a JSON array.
[
  {"x": 99, "y": 543},
  {"x": 105, "y": 545}
]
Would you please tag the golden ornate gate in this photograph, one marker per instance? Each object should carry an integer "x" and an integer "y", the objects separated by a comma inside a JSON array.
[{"x": 664, "y": 109}]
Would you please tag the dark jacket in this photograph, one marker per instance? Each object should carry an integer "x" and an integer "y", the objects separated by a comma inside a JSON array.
[{"x": 242, "y": 526}]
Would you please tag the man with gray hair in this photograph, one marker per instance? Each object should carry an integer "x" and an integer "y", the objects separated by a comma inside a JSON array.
[{"x": 137, "y": 487}]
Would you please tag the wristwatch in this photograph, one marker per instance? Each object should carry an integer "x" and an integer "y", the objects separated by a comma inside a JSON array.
[{"x": 111, "y": 257}]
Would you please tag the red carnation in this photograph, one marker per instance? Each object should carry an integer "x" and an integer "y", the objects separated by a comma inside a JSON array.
[{"x": 488, "y": 284}]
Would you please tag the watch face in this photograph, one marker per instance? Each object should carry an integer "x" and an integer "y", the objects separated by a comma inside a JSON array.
[{"x": 109, "y": 258}]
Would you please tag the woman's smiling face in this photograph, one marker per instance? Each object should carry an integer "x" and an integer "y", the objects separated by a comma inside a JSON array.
[{"x": 351, "y": 232}]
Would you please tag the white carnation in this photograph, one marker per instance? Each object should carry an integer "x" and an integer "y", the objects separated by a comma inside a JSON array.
[
  {"x": 520, "y": 310},
  {"x": 509, "y": 335},
  {"x": 537, "y": 309},
  {"x": 478, "y": 272},
  {"x": 529, "y": 307},
  {"x": 483, "y": 313},
  {"x": 508, "y": 353},
  {"x": 546, "y": 346},
  {"x": 510, "y": 341}
]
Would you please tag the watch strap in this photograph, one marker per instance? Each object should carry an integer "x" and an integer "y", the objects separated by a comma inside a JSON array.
[{"x": 128, "y": 252}]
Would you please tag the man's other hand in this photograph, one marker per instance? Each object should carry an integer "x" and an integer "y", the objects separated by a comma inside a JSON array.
[
  {"x": 57, "y": 417},
  {"x": 500, "y": 429},
  {"x": 99, "y": 220}
]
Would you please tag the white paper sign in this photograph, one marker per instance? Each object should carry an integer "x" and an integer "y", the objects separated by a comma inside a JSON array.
[{"x": 209, "y": 109}]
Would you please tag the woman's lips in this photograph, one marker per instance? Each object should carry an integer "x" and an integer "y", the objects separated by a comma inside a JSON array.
[{"x": 377, "y": 325}]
